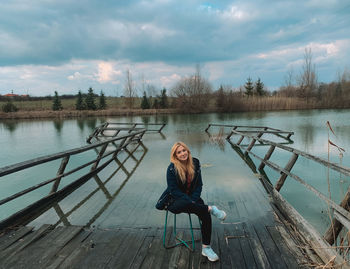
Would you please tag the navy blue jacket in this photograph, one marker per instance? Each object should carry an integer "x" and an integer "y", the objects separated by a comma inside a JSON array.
[
  {"x": 175, "y": 197},
  {"x": 178, "y": 190}
]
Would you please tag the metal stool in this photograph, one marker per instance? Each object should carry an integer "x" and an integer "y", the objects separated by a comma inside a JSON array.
[{"x": 182, "y": 242}]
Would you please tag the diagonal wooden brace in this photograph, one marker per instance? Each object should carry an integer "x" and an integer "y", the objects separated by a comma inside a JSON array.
[{"x": 288, "y": 167}]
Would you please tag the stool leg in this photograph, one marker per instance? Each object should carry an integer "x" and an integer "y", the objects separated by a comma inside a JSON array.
[
  {"x": 166, "y": 221},
  {"x": 182, "y": 242}
]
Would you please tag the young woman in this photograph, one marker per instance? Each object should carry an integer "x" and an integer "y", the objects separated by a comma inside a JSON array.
[{"x": 185, "y": 186}]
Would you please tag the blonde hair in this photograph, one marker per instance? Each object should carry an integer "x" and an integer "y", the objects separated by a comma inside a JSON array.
[{"x": 182, "y": 168}]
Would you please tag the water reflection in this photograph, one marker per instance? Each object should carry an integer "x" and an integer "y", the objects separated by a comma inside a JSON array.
[
  {"x": 145, "y": 120},
  {"x": 106, "y": 184},
  {"x": 10, "y": 125},
  {"x": 306, "y": 132},
  {"x": 91, "y": 123},
  {"x": 80, "y": 124},
  {"x": 58, "y": 124}
]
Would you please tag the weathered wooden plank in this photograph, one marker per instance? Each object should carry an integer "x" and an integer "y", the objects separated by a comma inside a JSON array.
[
  {"x": 24, "y": 242},
  {"x": 78, "y": 253},
  {"x": 223, "y": 249},
  {"x": 255, "y": 245},
  {"x": 124, "y": 257},
  {"x": 62, "y": 255},
  {"x": 105, "y": 245},
  {"x": 55, "y": 246},
  {"x": 157, "y": 254},
  {"x": 321, "y": 247},
  {"x": 232, "y": 241},
  {"x": 11, "y": 237},
  {"x": 175, "y": 255},
  {"x": 30, "y": 257},
  {"x": 240, "y": 235},
  {"x": 185, "y": 253},
  {"x": 293, "y": 246},
  {"x": 286, "y": 254},
  {"x": 142, "y": 251},
  {"x": 270, "y": 248}
]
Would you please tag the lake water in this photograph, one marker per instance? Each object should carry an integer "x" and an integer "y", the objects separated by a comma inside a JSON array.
[{"x": 222, "y": 168}]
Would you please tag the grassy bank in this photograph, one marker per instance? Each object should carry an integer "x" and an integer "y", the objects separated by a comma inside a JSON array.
[
  {"x": 84, "y": 113},
  {"x": 116, "y": 107}
]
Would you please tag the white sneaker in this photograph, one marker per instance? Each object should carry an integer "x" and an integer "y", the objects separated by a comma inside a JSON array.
[
  {"x": 220, "y": 214},
  {"x": 210, "y": 254}
]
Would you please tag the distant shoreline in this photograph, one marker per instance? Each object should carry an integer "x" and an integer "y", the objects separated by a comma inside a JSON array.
[
  {"x": 66, "y": 114},
  {"x": 69, "y": 114}
]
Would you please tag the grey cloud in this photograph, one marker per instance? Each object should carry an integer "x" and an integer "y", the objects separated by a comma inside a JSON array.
[{"x": 179, "y": 33}]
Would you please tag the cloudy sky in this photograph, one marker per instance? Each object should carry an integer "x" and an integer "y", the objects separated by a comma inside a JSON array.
[{"x": 65, "y": 45}]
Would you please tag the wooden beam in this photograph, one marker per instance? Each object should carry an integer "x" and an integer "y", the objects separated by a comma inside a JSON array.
[
  {"x": 251, "y": 145},
  {"x": 267, "y": 156},
  {"x": 33, "y": 162},
  {"x": 60, "y": 171},
  {"x": 240, "y": 140},
  {"x": 336, "y": 225},
  {"x": 288, "y": 167},
  {"x": 320, "y": 246},
  {"x": 333, "y": 166},
  {"x": 309, "y": 187}
]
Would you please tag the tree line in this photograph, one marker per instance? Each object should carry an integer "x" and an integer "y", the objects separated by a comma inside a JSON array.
[{"x": 194, "y": 93}]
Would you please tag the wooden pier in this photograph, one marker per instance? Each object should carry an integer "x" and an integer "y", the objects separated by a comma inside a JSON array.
[
  {"x": 254, "y": 235},
  {"x": 261, "y": 230}
]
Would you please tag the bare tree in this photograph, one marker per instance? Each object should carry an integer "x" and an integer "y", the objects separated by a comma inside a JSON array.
[
  {"x": 288, "y": 89},
  {"x": 307, "y": 79},
  {"x": 129, "y": 90},
  {"x": 193, "y": 92}
]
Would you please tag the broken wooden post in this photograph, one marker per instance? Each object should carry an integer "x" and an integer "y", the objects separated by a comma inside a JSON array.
[
  {"x": 334, "y": 229},
  {"x": 267, "y": 156},
  {"x": 99, "y": 156},
  {"x": 288, "y": 167},
  {"x": 240, "y": 140},
  {"x": 60, "y": 171},
  {"x": 251, "y": 145}
]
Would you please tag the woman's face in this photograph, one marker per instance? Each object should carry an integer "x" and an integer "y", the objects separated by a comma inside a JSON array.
[{"x": 181, "y": 154}]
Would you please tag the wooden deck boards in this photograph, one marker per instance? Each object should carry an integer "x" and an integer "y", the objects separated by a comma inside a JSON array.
[{"x": 252, "y": 243}]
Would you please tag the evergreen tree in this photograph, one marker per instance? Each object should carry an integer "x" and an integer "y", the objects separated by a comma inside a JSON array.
[
  {"x": 220, "y": 97},
  {"x": 80, "y": 104},
  {"x": 56, "y": 105},
  {"x": 249, "y": 88},
  {"x": 102, "y": 101},
  {"x": 145, "y": 102},
  {"x": 259, "y": 88},
  {"x": 155, "y": 103},
  {"x": 163, "y": 103},
  {"x": 90, "y": 100}
]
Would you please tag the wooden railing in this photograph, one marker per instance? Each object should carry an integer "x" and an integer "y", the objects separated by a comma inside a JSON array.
[
  {"x": 102, "y": 182},
  {"x": 260, "y": 130},
  {"x": 341, "y": 217},
  {"x": 113, "y": 129},
  {"x": 106, "y": 152}
]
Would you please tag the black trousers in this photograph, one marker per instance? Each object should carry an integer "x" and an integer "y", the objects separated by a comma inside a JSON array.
[{"x": 199, "y": 209}]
